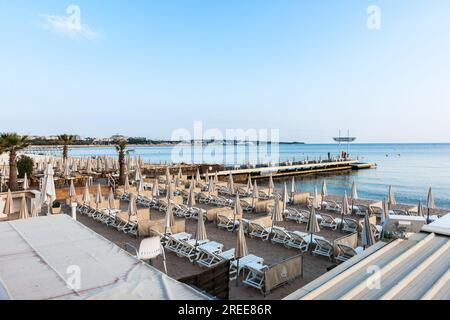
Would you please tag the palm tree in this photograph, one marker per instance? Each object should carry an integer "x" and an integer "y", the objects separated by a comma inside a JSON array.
[
  {"x": 12, "y": 143},
  {"x": 121, "y": 148},
  {"x": 65, "y": 140}
]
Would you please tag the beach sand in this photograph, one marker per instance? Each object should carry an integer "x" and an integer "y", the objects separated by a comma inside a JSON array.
[{"x": 181, "y": 267}]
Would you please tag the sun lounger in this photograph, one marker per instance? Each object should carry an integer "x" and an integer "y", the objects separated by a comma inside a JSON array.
[
  {"x": 227, "y": 223},
  {"x": 350, "y": 225},
  {"x": 324, "y": 248},
  {"x": 247, "y": 205},
  {"x": 329, "y": 222},
  {"x": 227, "y": 255},
  {"x": 188, "y": 248},
  {"x": 259, "y": 231},
  {"x": 280, "y": 235},
  {"x": 331, "y": 205},
  {"x": 295, "y": 215},
  {"x": 297, "y": 241},
  {"x": 256, "y": 275},
  {"x": 208, "y": 254},
  {"x": 346, "y": 252},
  {"x": 234, "y": 271},
  {"x": 173, "y": 241}
]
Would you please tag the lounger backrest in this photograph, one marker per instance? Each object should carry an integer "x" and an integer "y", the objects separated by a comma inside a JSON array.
[
  {"x": 256, "y": 226},
  {"x": 327, "y": 218},
  {"x": 150, "y": 248},
  {"x": 350, "y": 222},
  {"x": 346, "y": 250},
  {"x": 324, "y": 244}
]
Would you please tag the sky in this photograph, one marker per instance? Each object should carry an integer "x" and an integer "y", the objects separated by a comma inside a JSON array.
[{"x": 305, "y": 68}]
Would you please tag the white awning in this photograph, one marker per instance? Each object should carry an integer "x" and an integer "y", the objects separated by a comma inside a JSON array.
[{"x": 40, "y": 256}]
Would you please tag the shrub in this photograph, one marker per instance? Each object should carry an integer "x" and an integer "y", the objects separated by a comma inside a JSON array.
[
  {"x": 56, "y": 204},
  {"x": 25, "y": 164}
]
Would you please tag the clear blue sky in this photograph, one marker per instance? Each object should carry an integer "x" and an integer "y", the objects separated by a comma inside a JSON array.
[{"x": 308, "y": 68}]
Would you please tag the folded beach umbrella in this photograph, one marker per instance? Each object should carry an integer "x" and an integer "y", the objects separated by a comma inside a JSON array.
[
  {"x": 216, "y": 178},
  {"x": 201, "y": 230},
  {"x": 86, "y": 195},
  {"x": 48, "y": 193},
  {"x": 168, "y": 178},
  {"x": 211, "y": 186},
  {"x": 324, "y": 189},
  {"x": 138, "y": 174},
  {"x": 180, "y": 174},
  {"x": 126, "y": 186},
  {"x": 391, "y": 197},
  {"x": 66, "y": 169},
  {"x": 98, "y": 196},
  {"x": 344, "y": 208},
  {"x": 207, "y": 176},
  {"x": 237, "y": 211},
  {"x": 132, "y": 208},
  {"x": 293, "y": 187},
  {"x": 271, "y": 184},
  {"x": 111, "y": 201},
  {"x": 74, "y": 166},
  {"x": 367, "y": 237},
  {"x": 313, "y": 225},
  {"x": 354, "y": 191},
  {"x": 34, "y": 208},
  {"x": 23, "y": 213},
  {"x": 385, "y": 213},
  {"x": 241, "y": 244},
  {"x": 198, "y": 178},
  {"x": 191, "y": 197},
  {"x": 285, "y": 198},
  {"x": 26, "y": 185},
  {"x": 140, "y": 187},
  {"x": 230, "y": 185},
  {"x": 241, "y": 247},
  {"x": 72, "y": 191},
  {"x": 316, "y": 198},
  {"x": 277, "y": 214},
  {"x": 420, "y": 209},
  {"x": 155, "y": 189},
  {"x": 255, "y": 193},
  {"x": 169, "y": 190},
  {"x": 249, "y": 183},
  {"x": 169, "y": 219},
  {"x": 430, "y": 203},
  {"x": 89, "y": 166}
]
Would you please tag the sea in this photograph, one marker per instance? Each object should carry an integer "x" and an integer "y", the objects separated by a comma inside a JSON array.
[{"x": 411, "y": 169}]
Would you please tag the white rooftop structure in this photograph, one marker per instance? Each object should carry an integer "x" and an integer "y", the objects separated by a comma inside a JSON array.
[
  {"x": 417, "y": 268},
  {"x": 58, "y": 258}
]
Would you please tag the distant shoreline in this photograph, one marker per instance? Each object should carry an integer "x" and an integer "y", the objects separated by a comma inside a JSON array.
[{"x": 92, "y": 146}]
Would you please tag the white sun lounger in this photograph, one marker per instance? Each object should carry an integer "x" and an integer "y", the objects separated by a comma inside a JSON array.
[
  {"x": 224, "y": 222},
  {"x": 256, "y": 275},
  {"x": 350, "y": 225},
  {"x": 242, "y": 263},
  {"x": 329, "y": 222},
  {"x": 324, "y": 248},
  {"x": 280, "y": 235},
  {"x": 346, "y": 252},
  {"x": 259, "y": 231},
  {"x": 297, "y": 241}
]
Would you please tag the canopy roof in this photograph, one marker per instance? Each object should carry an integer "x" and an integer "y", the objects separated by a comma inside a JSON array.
[{"x": 42, "y": 253}]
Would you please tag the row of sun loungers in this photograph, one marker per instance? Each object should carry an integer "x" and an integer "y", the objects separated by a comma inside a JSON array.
[
  {"x": 208, "y": 253},
  {"x": 110, "y": 218}
]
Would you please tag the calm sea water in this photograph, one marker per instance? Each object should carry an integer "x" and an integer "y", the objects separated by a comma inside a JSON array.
[{"x": 410, "y": 168}]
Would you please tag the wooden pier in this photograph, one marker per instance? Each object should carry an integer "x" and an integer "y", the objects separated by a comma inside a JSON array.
[{"x": 241, "y": 175}]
